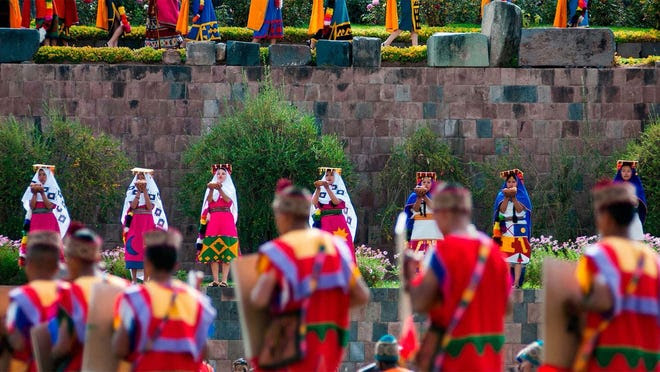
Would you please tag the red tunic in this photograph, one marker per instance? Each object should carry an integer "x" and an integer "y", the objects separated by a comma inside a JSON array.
[
  {"x": 31, "y": 304},
  {"x": 478, "y": 338},
  {"x": 631, "y": 342},
  {"x": 291, "y": 258},
  {"x": 334, "y": 222}
]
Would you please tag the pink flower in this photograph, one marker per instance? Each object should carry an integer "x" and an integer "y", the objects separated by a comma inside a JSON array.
[
  {"x": 375, "y": 2},
  {"x": 369, "y": 6}
]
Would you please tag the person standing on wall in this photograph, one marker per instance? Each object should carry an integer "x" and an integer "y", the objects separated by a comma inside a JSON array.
[
  {"x": 265, "y": 19},
  {"x": 409, "y": 20}
]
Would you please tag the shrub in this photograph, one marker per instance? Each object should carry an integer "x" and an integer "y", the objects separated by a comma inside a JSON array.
[
  {"x": 411, "y": 54},
  {"x": 648, "y": 61},
  {"x": 50, "y": 54},
  {"x": 373, "y": 265},
  {"x": 375, "y": 14},
  {"x": 18, "y": 150},
  {"x": 264, "y": 139},
  {"x": 537, "y": 12},
  {"x": 606, "y": 13},
  {"x": 435, "y": 12},
  {"x": 549, "y": 247},
  {"x": 112, "y": 262},
  {"x": 10, "y": 272},
  {"x": 89, "y": 168},
  {"x": 423, "y": 151},
  {"x": 647, "y": 151}
]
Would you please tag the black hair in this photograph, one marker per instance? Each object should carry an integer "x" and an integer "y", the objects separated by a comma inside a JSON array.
[
  {"x": 163, "y": 256},
  {"x": 44, "y": 255},
  {"x": 622, "y": 213}
]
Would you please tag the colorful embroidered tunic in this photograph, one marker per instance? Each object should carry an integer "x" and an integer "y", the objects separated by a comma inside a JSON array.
[
  {"x": 162, "y": 16},
  {"x": 330, "y": 20},
  {"x": 422, "y": 229},
  {"x": 206, "y": 27},
  {"x": 142, "y": 221},
  {"x": 220, "y": 240},
  {"x": 331, "y": 219},
  {"x": 265, "y": 19},
  {"x": 479, "y": 336},
  {"x": 182, "y": 339},
  {"x": 291, "y": 258},
  {"x": 631, "y": 342},
  {"x": 513, "y": 229},
  {"x": 47, "y": 17},
  {"x": 74, "y": 306},
  {"x": 31, "y": 304}
]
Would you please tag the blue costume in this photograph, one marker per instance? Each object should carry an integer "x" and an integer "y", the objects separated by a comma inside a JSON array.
[{"x": 205, "y": 27}]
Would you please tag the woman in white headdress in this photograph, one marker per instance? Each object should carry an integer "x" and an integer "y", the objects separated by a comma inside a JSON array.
[
  {"x": 332, "y": 209},
  {"x": 143, "y": 211},
  {"x": 218, "y": 238},
  {"x": 44, "y": 206}
]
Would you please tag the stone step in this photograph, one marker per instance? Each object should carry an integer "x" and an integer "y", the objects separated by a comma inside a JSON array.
[
  {"x": 567, "y": 47},
  {"x": 240, "y": 53},
  {"x": 457, "y": 50},
  {"x": 18, "y": 45},
  {"x": 200, "y": 53},
  {"x": 333, "y": 53},
  {"x": 282, "y": 55},
  {"x": 366, "y": 52}
]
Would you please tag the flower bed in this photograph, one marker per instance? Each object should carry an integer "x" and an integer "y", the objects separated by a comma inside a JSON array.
[{"x": 48, "y": 54}]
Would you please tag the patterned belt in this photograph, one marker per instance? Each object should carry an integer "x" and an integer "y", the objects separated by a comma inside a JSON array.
[
  {"x": 141, "y": 211},
  {"x": 219, "y": 209},
  {"x": 41, "y": 211}
]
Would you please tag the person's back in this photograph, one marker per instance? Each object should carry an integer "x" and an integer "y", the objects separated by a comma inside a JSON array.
[
  {"x": 631, "y": 341},
  {"x": 291, "y": 258},
  {"x": 479, "y": 336},
  {"x": 36, "y": 302}
]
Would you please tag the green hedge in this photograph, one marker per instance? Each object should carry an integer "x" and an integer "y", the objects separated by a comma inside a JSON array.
[
  {"x": 298, "y": 35},
  {"x": 48, "y": 54}
]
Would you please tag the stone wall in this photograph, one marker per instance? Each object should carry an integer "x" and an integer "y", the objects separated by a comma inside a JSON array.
[
  {"x": 156, "y": 111},
  {"x": 369, "y": 323}
]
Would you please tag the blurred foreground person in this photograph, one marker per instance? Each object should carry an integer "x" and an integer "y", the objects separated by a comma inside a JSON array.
[
  {"x": 467, "y": 317},
  {"x": 308, "y": 280}
]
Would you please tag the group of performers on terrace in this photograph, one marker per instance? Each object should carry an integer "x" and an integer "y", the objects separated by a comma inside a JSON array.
[
  {"x": 168, "y": 24},
  {"x": 308, "y": 276}
]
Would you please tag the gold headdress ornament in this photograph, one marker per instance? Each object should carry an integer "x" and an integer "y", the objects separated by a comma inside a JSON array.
[
  {"x": 142, "y": 170},
  {"x": 450, "y": 196},
  {"x": 516, "y": 171},
  {"x": 322, "y": 170},
  {"x": 215, "y": 167},
  {"x": 630, "y": 163},
  {"x": 36, "y": 167},
  {"x": 606, "y": 193},
  {"x": 421, "y": 175}
]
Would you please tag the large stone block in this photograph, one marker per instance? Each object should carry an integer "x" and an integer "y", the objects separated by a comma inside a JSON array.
[
  {"x": 567, "y": 47},
  {"x": 200, "y": 53},
  {"x": 18, "y": 45},
  {"x": 650, "y": 49},
  {"x": 289, "y": 55},
  {"x": 457, "y": 50},
  {"x": 366, "y": 52},
  {"x": 333, "y": 53},
  {"x": 240, "y": 53},
  {"x": 502, "y": 24},
  {"x": 629, "y": 49},
  {"x": 220, "y": 52}
]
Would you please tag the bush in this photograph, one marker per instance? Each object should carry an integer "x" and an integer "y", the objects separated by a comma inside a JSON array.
[
  {"x": 89, "y": 168},
  {"x": 606, "y": 13},
  {"x": 647, "y": 151},
  {"x": 537, "y": 12},
  {"x": 423, "y": 151},
  {"x": 435, "y": 12},
  {"x": 373, "y": 265},
  {"x": 10, "y": 272},
  {"x": 264, "y": 139},
  {"x": 135, "y": 11},
  {"x": 413, "y": 54},
  {"x": 112, "y": 262},
  {"x": 50, "y": 54},
  {"x": 19, "y": 149},
  {"x": 632, "y": 61},
  {"x": 375, "y": 13}
]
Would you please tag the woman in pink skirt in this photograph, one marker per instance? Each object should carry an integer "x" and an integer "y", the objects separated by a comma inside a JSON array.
[
  {"x": 143, "y": 211},
  {"x": 218, "y": 239},
  {"x": 44, "y": 206}
]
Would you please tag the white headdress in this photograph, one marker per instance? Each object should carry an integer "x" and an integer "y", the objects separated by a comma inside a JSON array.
[
  {"x": 227, "y": 187},
  {"x": 341, "y": 192},
  {"x": 54, "y": 195},
  {"x": 158, "y": 212}
]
